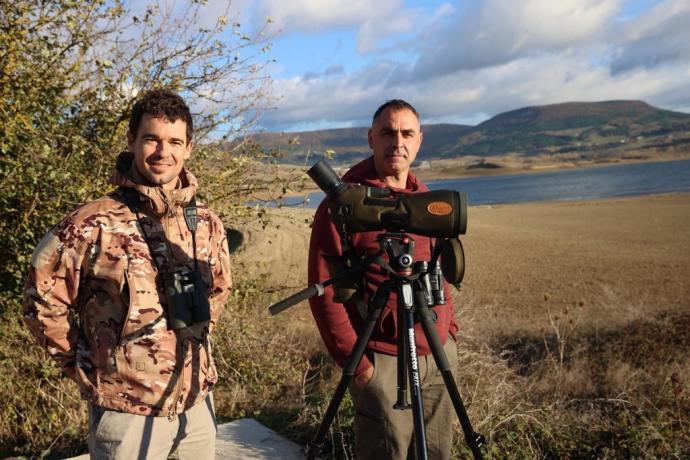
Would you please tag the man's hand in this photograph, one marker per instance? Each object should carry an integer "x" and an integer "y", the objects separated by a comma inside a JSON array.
[{"x": 362, "y": 380}]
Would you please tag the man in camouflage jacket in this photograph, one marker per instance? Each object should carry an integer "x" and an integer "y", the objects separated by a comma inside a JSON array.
[{"x": 94, "y": 296}]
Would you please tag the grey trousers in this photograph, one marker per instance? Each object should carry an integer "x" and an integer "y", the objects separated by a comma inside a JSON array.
[
  {"x": 120, "y": 435},
  {"x": 382, "y": 432}
]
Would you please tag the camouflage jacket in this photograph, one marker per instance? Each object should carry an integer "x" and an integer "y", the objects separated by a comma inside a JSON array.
[{"x": 94, "y": 300}]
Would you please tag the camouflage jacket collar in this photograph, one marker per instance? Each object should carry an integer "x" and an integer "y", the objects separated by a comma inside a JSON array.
[{"x": 154, "y": 199}]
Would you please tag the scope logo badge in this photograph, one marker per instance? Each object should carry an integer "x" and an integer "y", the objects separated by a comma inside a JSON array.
[{"x": 439, "y": 208}]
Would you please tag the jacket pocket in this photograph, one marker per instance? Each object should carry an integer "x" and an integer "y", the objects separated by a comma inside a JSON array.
[{"x": 125, "y": 297}]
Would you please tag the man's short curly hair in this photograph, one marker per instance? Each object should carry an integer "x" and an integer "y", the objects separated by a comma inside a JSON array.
[{"x": 161, "y": 103}]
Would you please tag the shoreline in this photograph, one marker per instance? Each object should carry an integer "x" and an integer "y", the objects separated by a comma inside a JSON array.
[
  {"x": 469, "y": 167},
  {"x": 659, "y": 178},
  {"x": 459, "y": 168}
]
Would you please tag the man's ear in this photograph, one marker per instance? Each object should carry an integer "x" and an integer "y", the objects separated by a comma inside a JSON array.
[
  {"x": 370, "y": 138},
  {"x": 421, "y": 137},
  {"x": 188, "y": 150},
  {"x": 130, "y": 141}
]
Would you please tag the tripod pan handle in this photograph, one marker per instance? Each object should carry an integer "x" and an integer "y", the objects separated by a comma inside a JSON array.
[{"x": 304, "y": 294}]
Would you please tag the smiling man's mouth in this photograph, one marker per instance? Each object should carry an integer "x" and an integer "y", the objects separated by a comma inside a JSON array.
[{"x": 160, "y": 166}]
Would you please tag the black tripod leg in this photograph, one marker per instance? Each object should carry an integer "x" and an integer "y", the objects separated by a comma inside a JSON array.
[
  {"x": 401, "y": 402},
  {"x": 473, "y": 439},
  {"x": 406, "y": 300},
  {"x": 376, "y": 304}
]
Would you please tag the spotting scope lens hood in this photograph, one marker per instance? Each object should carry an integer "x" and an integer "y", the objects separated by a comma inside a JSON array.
[{"x": 438, "y": 213}]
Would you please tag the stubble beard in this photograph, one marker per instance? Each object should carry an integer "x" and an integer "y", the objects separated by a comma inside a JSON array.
[{"x": 397, "y": 162}]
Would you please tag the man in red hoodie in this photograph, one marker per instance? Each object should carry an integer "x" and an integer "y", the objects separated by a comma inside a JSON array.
[{"x": 380, "y": 430}]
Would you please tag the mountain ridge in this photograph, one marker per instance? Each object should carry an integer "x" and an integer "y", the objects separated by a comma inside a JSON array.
[{"x": 588, "y": 129}]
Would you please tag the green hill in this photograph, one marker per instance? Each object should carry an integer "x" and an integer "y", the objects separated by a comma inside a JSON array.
[{"x": 573, "y": 126}]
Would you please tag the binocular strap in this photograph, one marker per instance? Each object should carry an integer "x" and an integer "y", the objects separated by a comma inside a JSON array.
[{"x": 131, "y": 197}]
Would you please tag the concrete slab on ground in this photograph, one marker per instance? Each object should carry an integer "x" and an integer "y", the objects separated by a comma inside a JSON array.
[{"x": 248, "y": 439}]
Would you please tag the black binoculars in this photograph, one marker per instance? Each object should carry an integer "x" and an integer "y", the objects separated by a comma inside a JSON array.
[{"x": 185, "y": 293}]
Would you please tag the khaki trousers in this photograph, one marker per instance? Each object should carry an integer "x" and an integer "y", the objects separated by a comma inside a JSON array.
[
  {"x": 382, "y": 432},
  {"x": 120, "y": 435}
]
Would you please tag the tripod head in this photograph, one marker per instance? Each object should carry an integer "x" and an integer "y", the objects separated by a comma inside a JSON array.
[{"x": 399, "y": 247}]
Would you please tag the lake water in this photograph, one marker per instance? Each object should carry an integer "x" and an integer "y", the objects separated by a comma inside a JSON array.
[{"x": 563, "y": 185}]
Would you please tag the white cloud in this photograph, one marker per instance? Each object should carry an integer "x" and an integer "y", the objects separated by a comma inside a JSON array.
[
  {"x": 335, "y": 98},
  {"x": 497, "y": 31},
  {"x": 374, "y": 20},
  {"x": 316, "y": 15},
  {"x": 546, "y": 79},
  {"x": 661, "y": 36}
]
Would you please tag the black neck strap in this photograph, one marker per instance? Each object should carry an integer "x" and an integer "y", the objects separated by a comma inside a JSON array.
[{"x": 191, "y": 218}]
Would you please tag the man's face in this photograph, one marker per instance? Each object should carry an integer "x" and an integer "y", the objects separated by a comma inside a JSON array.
[
  {"x": 160, "y": 149},
  {"x": 395, "y": 138}
]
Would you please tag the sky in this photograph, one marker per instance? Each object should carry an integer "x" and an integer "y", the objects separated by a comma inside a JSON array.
[{"x": 333, "y": 62}]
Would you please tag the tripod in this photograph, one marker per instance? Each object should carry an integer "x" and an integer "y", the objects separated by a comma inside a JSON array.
[{"x": 415, "y": 294}]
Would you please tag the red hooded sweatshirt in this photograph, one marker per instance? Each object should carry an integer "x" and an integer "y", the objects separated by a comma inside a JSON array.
[{"x": 339, "y": 323}]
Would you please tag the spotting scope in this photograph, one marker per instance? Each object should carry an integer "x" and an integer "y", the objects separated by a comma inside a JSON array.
[{"x": 360, "y": 208}]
